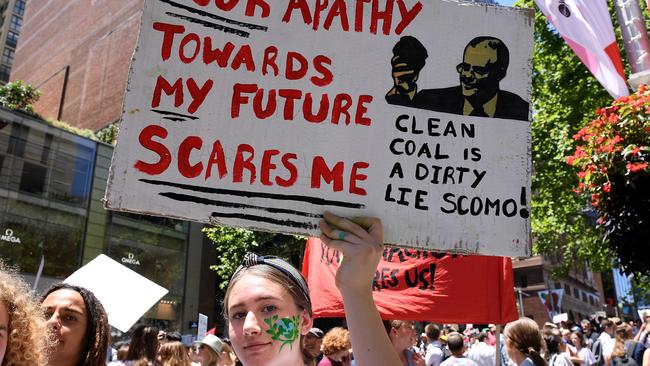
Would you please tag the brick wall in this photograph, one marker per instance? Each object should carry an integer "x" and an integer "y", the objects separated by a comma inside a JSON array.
[{"x": 95, "y": 39}]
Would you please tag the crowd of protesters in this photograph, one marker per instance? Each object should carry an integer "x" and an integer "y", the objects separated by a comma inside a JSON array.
[{"x": 267, "y": 308}]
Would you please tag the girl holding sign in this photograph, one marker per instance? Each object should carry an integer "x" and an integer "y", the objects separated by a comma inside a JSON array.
[{"x": 268, "y": 308}]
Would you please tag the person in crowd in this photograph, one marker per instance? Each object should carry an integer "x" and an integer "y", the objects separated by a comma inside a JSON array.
[
  {"x": 643, "y": 332},
  {"x": 311, "y": 346},
  {"x": 78, "y": 326},
  {"x": 435, "y": 353},
  {"x": 268, "y": 308},
  {"x": 482, "y": 353},
  {"x": 523, "y": 342},
  {"x": 228, "y": 357},
  {"x": 208, "y": 350},
  {"x": 556, "y": 348},
  {"x": 646, "y": 357},
  {"x": 591, "y": 335},
  {"x": 423, "y": 343},
  {"x": 625, "y": 347},
  {"x": 491, "y": 336},
  {"x": 21, "y": 324},
  {"x": 605, "y": 342},
  {"x": 144, "y": 345},
  {"x": 457, "y": 348},
  {"x": 121, "y": 354},
  {"x": 401, "y": 334},
  {"x": 582, "y": 355},
  {"x": 336, "y": 348},
  {"x": 173, "y": 353}
]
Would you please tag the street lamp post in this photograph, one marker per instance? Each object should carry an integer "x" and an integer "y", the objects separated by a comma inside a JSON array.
[{"x": 635, "y": 40}]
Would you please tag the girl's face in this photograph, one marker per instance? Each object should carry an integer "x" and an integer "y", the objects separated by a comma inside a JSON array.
[
  {"x": 265, "y": 324},
  {"x": 4, "y": 329},
  {"x": 576, "y": 341}
]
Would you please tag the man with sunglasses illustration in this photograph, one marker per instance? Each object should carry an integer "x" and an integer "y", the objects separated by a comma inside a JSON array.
[{"x": 485, "y": 62}]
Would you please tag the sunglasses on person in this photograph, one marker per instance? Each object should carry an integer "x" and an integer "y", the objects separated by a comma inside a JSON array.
[{"x": 477, "y": 70}]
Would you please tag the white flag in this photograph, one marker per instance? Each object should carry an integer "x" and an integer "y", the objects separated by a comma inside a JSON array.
[{"x": 586, "y": 26}]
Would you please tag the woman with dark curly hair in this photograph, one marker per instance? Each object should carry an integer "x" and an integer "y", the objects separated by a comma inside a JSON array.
[
  {"x": 79, "y": 328},
  {"x": 21, "y": 325}
]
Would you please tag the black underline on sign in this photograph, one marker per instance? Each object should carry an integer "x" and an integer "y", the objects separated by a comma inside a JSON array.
[
  {"x": 205, "y": 201},
  {"x": 288, "y": 197},
  {"x": 291, "y": 223},
  {"x": 205, "y": 23},
  {"x": 215, "y": 17},
  {"x": 175, "y": 119},
  {"x": 168, "y": 113}
]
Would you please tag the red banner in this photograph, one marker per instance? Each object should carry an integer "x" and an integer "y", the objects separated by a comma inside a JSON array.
[{"x": 417, "y": 285}]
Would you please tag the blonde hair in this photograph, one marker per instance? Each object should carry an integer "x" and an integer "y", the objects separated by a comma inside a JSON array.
[
  {"x": 623, "y": 333},
  {"x": 336, "y": 340},
  {"x": 26, "y": 335},
  {"x": 174, "y": 354}
]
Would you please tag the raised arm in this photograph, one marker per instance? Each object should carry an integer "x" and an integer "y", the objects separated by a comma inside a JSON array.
[{"x": 360, "y": 240}]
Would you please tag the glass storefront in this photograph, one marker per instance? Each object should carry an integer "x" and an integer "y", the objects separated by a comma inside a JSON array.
[
  {"x": 51, "y": 184},
  {"x": 45, "y": 183},
  {"x": 155, "y": 248}
]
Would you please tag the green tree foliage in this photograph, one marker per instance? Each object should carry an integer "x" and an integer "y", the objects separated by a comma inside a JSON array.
[
  {"x": 232, "y": 244},
  {"x": 108, "y": 134},
  {"x": 17, "y": 95},
  {"x": 565, "y": 97}
]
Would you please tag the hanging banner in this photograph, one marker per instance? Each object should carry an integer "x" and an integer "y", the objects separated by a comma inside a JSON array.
[
  {"x": 552, "y": 301},
  {"x": 264, "y": 114},
  {"x": 586, "y": 26},
  {"x": 419, "y": 285}
]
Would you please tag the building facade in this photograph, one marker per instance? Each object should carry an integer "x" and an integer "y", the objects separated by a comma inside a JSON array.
[
  {"x": 77, "y": 53},
  {"x": 52, "y": 183},
  {"x": 582, "y": 290},
  {"x": 11, "y": 22}
]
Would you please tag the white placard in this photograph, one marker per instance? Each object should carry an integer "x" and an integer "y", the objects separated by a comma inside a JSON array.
[
  {"x": 564, "y": 317},
  {"x": 202, "y": 328},
  {"x": 125, "y": 294},
  {"x": 265, "y": 114}
]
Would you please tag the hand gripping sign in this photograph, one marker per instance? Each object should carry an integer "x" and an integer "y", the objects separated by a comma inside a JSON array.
[{"x": 264, "y": 114}]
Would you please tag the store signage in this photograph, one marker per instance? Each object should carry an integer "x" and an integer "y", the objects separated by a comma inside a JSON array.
[
  {"x": 267, "y": 115},
  {"x": 9, "y": 237},
  {"x": 130, "y": 259}
]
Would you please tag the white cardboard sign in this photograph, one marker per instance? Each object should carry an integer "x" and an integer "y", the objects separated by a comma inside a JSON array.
[
  {"x": 264, "y": 114},
  {"x": 558, "y": 318},
  {"x": 125, "y": 294}
]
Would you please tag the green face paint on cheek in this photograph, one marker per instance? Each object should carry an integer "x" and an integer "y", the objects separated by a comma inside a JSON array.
[{"x": 285, "y": 330}]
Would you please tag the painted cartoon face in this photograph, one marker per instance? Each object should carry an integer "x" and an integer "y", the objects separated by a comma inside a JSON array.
[
  {"x": 404, "y": 76},
  {"x": 264, "y": 323},
  {"x": 476, "y": 70},
  {"x": 4, "y": 329},
  {"x": 67, "y": 317}
]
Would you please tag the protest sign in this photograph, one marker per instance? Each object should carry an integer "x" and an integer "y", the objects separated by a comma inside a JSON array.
[
  {"x": 411, "y": 284},
  {"x": 264, "y": 114},
  {"x": 552, "y": 301},
  {"x": 125, "y": 294},
  {"x": 202, "y": 328},
  {"x": 558, "y": 318}
]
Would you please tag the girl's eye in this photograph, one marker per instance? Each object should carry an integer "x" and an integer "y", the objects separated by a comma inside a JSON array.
[
  {"x": 70, "y": 318},
  {"x": 269, "y": 308},
  {"x": 239, "y": 315}
]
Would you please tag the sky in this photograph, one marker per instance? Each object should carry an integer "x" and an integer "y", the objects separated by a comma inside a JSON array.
[{"x": 506, "y": 2}]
